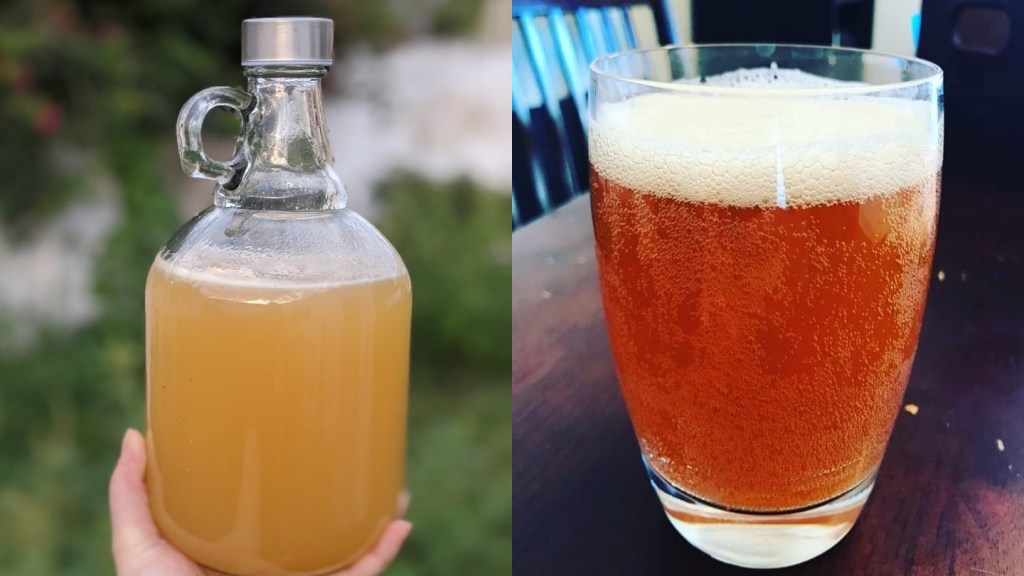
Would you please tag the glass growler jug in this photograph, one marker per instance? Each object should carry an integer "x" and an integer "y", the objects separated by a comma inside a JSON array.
[{"x": 277, "y": 331}]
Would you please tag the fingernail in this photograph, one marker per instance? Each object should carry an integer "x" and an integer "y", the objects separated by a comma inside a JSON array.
[{"x": 126, "y": 442}]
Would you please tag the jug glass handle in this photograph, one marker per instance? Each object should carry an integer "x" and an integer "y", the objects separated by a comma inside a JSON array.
[{"x": 194, "y": 160}]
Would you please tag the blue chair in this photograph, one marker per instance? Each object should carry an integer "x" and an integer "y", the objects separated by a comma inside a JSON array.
[{"x": 552, "y": 45}]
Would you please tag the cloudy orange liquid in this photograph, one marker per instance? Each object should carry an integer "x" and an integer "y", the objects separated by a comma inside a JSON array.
[{"x": 276, "y": 418}]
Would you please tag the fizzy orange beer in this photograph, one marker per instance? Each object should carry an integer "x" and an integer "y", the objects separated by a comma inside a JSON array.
[{"x": 763, "y": 264}]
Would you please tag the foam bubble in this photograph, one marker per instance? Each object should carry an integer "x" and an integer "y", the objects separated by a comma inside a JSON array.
[
  {"x": 764, "y": 150},
  {"x": 236, "y": 282},
  {"x": 769, "y": 78}
]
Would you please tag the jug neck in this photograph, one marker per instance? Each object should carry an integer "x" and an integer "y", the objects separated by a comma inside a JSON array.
[{"x": 284, "y": 144}]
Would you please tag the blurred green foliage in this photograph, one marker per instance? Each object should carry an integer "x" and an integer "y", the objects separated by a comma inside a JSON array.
[
  {"x": 107, "y": 77},
  {"x": 475, "y": 270},
  {"x": 455, "y": 17},
  {"x": 456, "y": 242},
  {"x": 460, "y": 476},
  {"x": 65, "y": 403}
]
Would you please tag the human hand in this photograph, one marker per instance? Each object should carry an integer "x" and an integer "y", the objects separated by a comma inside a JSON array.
[{"x": 139, "y": 550}]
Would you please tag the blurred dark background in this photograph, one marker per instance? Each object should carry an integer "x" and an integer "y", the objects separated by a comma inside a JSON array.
[{"x": 91, "y": 188}]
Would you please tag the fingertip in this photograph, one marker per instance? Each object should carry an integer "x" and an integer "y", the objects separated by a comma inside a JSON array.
[
  {"x": 393, "y": 539},
  {"x": 133, "y": 444},
  {"x": 132, "y": 525},
  {"x": 131, "y": 463},
  {"x": 402, "y": 528},
  {"x": 125, "y": 440}
]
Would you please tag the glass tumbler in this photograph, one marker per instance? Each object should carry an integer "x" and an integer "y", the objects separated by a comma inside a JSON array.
[{"x": 765, "y": 219}]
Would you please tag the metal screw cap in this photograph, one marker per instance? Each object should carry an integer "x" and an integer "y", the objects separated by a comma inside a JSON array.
[{"x": 287, "y": 41}]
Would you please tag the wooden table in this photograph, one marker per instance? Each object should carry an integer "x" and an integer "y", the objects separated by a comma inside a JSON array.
[{"x": 949, "y": 498}]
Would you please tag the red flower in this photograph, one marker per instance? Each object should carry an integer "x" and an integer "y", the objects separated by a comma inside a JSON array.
[
  {"x": 110, "y": 32},
  {"x": 63, "y": 17},
  {"x": 48, "y": 119},
  {"x": 23, "y": 79}
]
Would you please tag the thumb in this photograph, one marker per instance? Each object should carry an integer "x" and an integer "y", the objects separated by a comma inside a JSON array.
[{"x": 131, "y": 523}]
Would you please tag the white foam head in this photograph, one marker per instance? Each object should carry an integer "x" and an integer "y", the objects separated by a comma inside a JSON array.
[
  {"x": 241, "y": 283},
  {"x": 760, "y": 149}
]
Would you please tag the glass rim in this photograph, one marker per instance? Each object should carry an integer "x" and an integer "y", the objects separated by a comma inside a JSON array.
[{"x": 934, "y": 73}]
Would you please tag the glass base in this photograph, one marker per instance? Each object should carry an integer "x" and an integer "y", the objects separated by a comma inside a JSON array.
[{"x": 761, "y": 540}]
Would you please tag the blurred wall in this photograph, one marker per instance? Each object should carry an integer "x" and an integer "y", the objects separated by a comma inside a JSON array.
[
  {"x": 892, "y": 26},
  {"x": 496, "y": 25}
]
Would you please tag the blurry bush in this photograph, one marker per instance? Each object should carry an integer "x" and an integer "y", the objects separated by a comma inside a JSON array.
[
  {"x": 64, "y": 403},
  {"x": 455, "y": 240},
  {"x": 454, "y": 17},
  {"x": 456, "y": 243}
]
